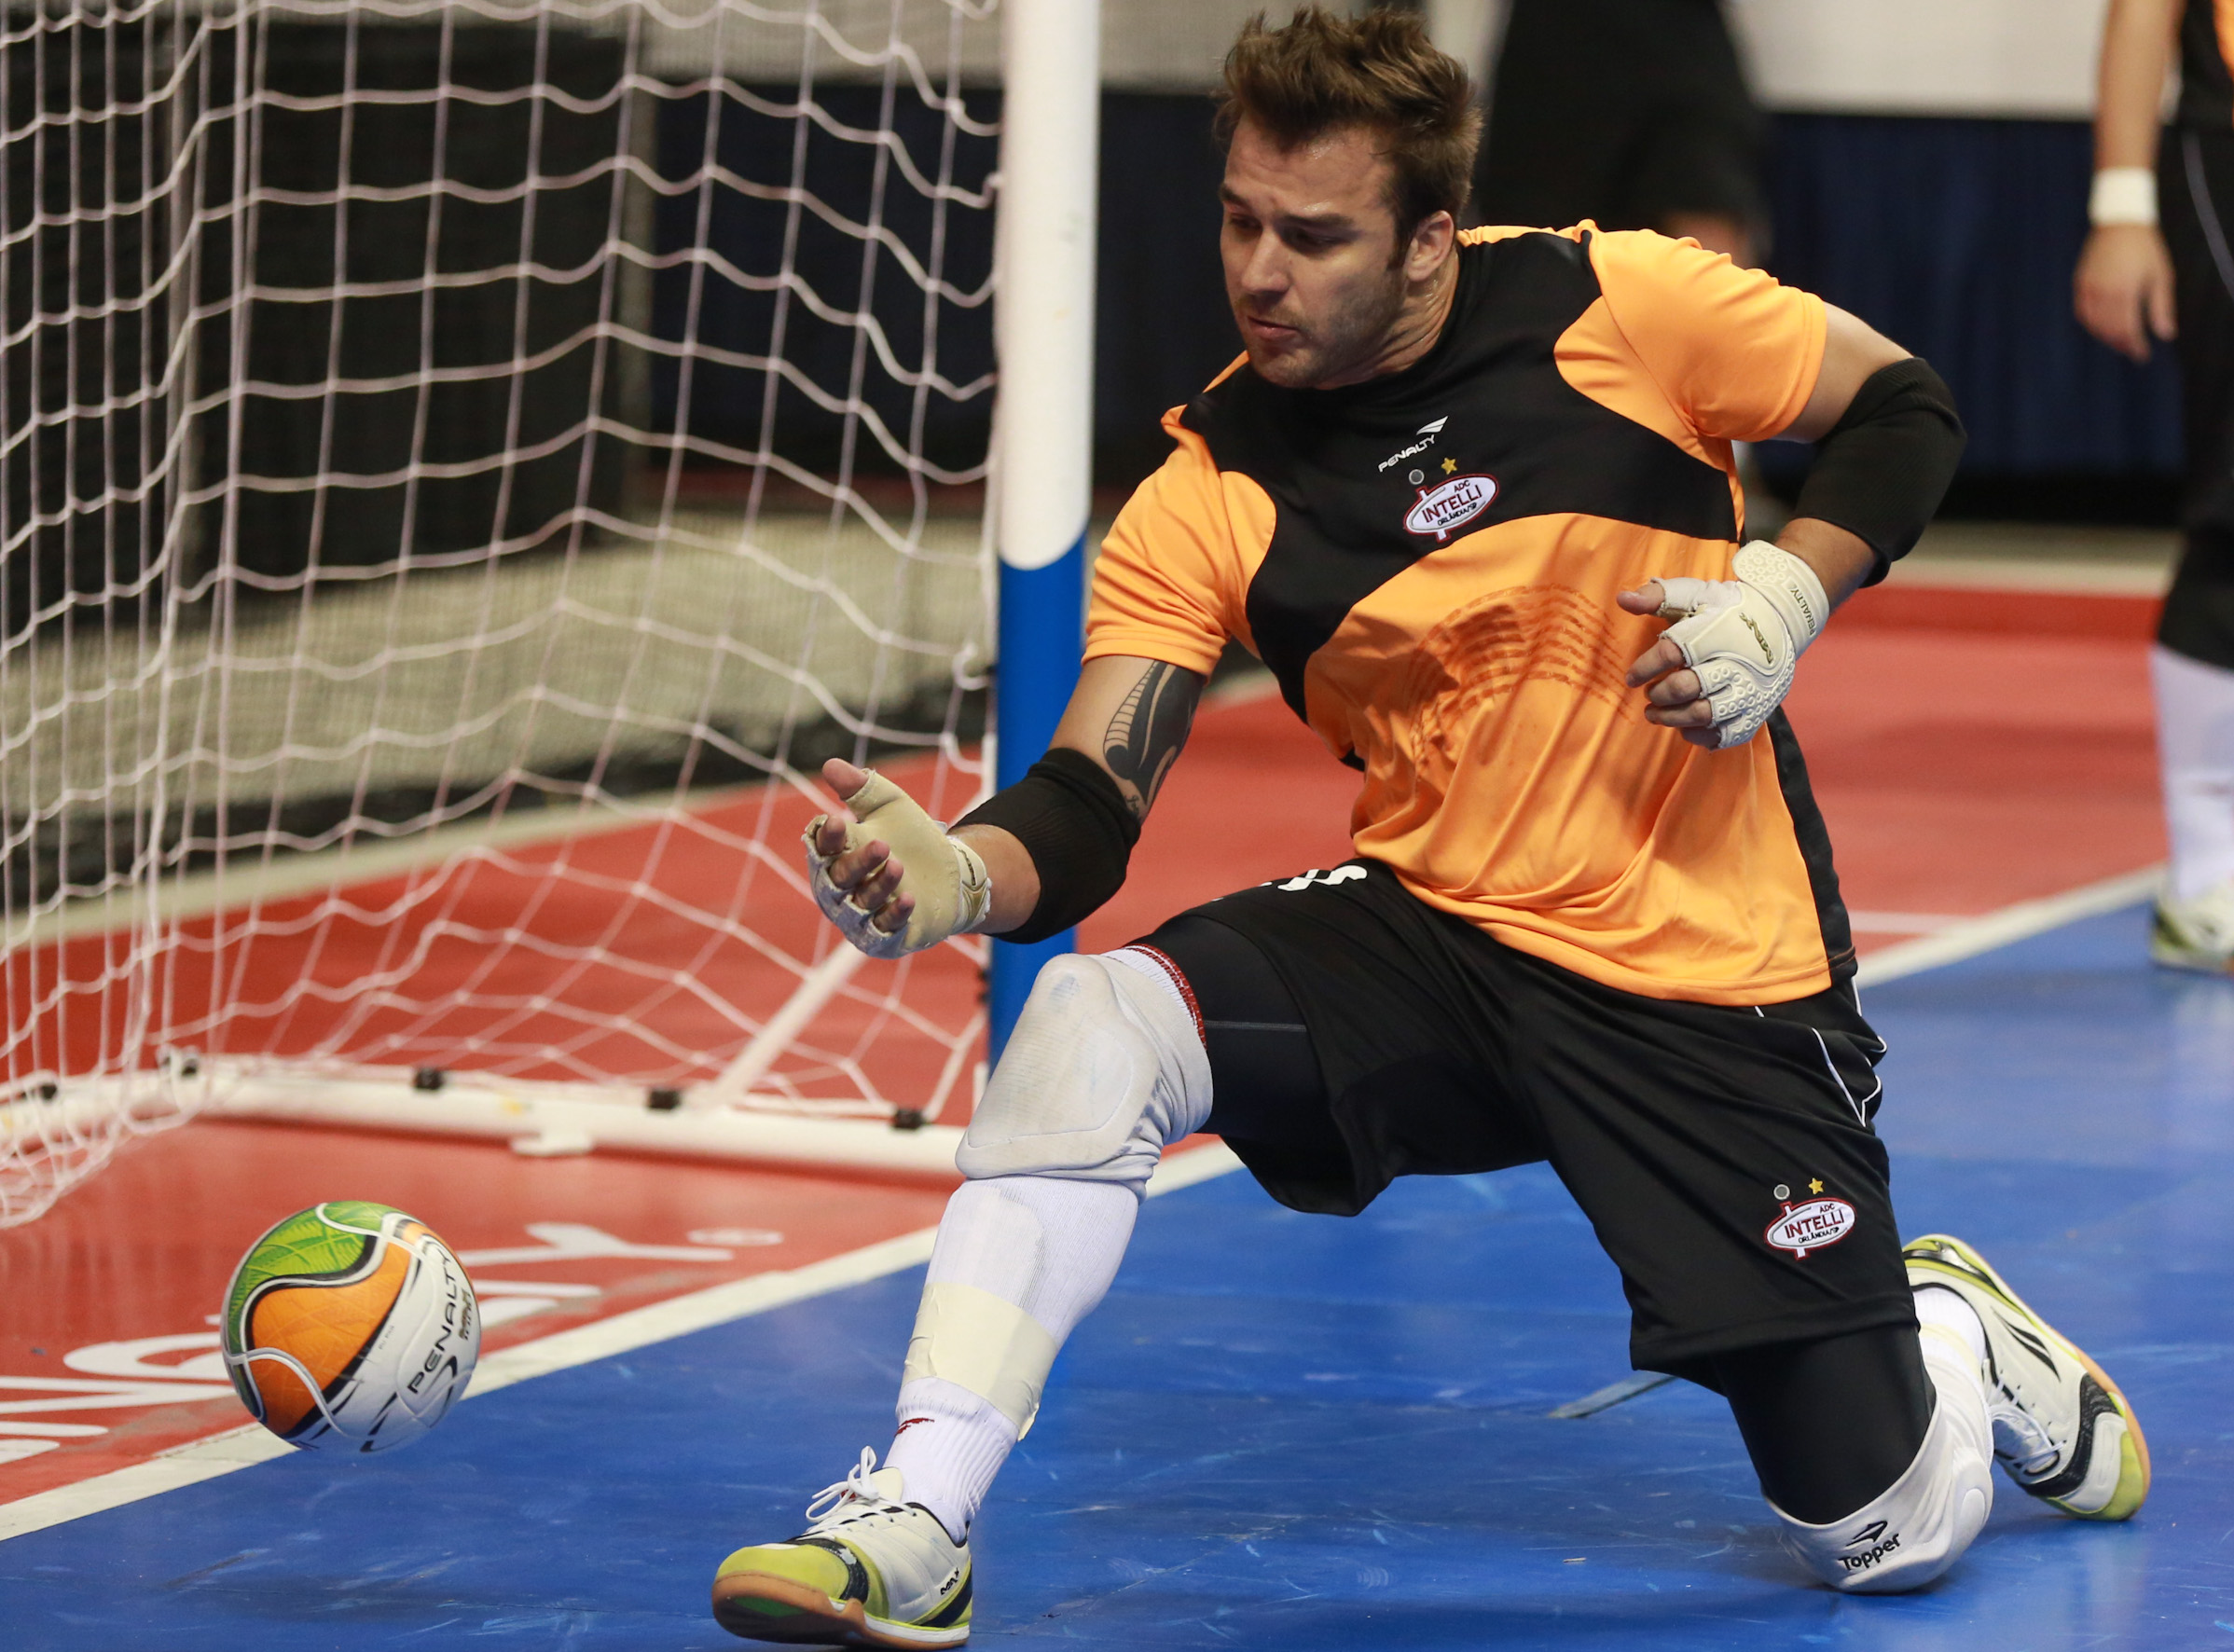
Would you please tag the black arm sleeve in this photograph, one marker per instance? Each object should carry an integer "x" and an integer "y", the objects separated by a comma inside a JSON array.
[
  {"x": 1070, "y": 817},
  {"x": 1883, "y": 469}
]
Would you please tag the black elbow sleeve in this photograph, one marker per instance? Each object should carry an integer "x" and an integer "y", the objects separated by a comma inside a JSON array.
[
  {"x": 1881, "y": 471},
  {"x": 1072, "y": 821}
]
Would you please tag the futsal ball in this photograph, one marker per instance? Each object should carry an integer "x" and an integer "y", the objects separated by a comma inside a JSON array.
[{"x": 349, "y": 1326}]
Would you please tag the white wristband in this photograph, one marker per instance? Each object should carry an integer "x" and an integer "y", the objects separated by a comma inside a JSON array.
[{"x": 2123, "y": 195}]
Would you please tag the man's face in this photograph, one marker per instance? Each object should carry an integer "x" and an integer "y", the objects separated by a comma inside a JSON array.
[{"x": 1309, "y": 244}]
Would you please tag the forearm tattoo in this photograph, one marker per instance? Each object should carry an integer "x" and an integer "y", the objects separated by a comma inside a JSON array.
[{"x": 1144, "y": 738}]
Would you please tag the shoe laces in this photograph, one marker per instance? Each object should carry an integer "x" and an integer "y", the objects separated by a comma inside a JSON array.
[
  {"x": 830, "y": 1503},
  {"x": 2022, "y": 1439}
]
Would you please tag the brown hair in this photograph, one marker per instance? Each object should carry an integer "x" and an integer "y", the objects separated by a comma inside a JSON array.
[{"x": 1323, "y": 71}]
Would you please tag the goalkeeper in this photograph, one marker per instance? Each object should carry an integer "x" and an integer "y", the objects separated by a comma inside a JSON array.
[{"x": 1469, "y": 497}]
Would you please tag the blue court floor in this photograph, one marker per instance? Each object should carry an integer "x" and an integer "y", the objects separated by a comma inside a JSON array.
[{"x": 1296, "y": 1433}]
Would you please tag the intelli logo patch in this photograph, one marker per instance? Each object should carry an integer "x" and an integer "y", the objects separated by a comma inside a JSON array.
[
  {"x": 1811, "y": 1226},
  {"x": 1450, "y": 505}
]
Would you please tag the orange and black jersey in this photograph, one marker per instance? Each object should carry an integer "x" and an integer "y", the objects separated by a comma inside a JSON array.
[{"x": 1428, "y": 562}]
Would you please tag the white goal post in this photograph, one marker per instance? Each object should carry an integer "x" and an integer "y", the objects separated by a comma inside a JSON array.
[{"x": 464, "y": 465}]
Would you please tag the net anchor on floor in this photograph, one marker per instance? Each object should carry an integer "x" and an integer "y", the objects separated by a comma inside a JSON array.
[{"x": 545, "y": 1119}]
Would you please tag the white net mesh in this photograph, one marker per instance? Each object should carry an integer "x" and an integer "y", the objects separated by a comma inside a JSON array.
[{"x": 462, "y": 467}]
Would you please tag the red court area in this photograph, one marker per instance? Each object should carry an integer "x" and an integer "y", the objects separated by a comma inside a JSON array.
[
  {"x": 647, "y": 954},
  {"x": 1971, "y": 749},
  {"x": 108, "y": 1342}
]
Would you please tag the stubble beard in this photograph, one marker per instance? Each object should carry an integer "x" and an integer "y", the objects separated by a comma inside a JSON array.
[{"x": 1352, "y": 334}]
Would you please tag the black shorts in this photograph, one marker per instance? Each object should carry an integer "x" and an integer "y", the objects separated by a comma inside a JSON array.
[
  {"x": 1724, "y": 1156},
  {"x": 2194, "y": 182}
]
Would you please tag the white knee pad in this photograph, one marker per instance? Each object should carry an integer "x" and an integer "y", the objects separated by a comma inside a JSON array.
[
  {"x": 1918, "y": 1526},
  {"x": 1104, "y": 1068}
]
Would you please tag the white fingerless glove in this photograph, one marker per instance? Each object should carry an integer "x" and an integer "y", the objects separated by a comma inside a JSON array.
[
  {"x": 953, "y": 894},
  {"x": 1743, "y": 635}
]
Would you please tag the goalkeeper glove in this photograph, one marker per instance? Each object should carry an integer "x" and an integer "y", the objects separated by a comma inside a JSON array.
[
  {"x": 1742, "y": 636},
  {"x": 953, "y": 894}
]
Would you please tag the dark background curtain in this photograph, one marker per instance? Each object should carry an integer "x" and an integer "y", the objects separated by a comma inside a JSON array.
[
  {"x": 1958, "y": 238},
  {"x": 1161, "y": 330},
  {"x": 723, "y": 394}
]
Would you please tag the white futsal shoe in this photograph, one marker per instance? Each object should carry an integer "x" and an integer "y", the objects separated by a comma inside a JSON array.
[
  {"x": 2061, "y": 1430},
  {"x": 870, "y": 1570},
  {"x": 2196, "y": 934}
]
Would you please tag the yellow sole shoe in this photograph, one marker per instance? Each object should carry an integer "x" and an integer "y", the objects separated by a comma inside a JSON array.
[{"x": 2038, "y": 1375}]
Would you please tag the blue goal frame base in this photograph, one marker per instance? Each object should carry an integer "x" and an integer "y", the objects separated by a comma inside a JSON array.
[{"x": 1042, "y": 613}]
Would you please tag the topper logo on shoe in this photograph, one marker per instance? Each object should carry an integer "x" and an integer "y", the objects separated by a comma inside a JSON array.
[
  {"x": 1811, "y": 1226},
  {"x": 1872, "y": 1552},
  {"x": 1450, "y": 505}
]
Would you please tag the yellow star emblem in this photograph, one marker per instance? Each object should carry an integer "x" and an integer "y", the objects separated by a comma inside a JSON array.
[
  {"x": 1814, "y": 1186},
  {"x": 1448, "y": 465}
]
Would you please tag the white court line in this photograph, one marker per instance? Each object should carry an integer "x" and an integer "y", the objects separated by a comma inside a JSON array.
[
  {"x": 205, "y": 1459},
  {"x": 1971, "y": 936},
  {"x": 1900, "y": 923},
  {"x": 739, "y": 1298},
  {"x": 365, "y": 860},
  {"x": 1613, "y": 1394}
]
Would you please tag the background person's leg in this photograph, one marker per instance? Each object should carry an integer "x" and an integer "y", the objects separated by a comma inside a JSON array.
[
  {"x": 2194, "y": 733},
  {"x": 2193, "y": 665}
]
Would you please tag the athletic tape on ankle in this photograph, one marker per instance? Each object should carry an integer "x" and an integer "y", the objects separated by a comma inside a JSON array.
[{"x": 977, "y": 1341}]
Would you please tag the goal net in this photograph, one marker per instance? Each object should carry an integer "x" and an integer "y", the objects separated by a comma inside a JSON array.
[{"x": 464, "y": 464}]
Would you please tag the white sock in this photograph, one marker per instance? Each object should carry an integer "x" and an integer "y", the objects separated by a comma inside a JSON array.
[
  {"x": 950, "y": 1445},
  {"x": 1048, "y": 1247},
  {"x": 1937, "y": 1306},
  {"x": 2195, "y": 742}
]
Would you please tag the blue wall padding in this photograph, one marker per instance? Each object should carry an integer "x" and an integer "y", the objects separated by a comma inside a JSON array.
[{"x": 1958, "y": 238}]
